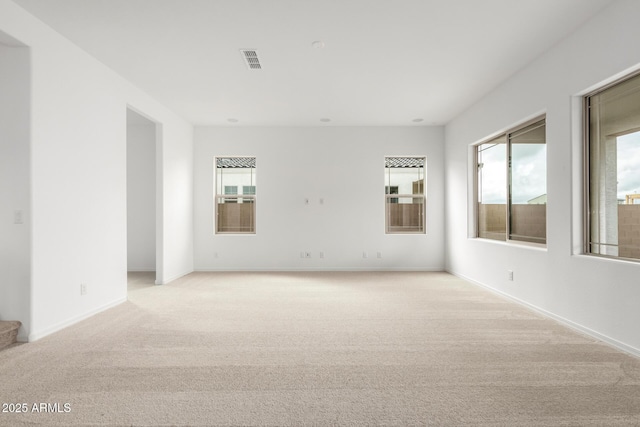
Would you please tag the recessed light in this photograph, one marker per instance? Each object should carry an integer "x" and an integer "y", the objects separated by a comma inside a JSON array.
[
  {"x": 318, "y": 44},
  {"x": 418, "y": 120},
  {"x": 325, "y": 120},
  {"x": 233, "y": 120}
]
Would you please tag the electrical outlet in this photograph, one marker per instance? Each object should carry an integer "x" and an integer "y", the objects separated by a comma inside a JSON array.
[
  {"x": 510, "y": 275},
  {"x": 83, "y": 289}
]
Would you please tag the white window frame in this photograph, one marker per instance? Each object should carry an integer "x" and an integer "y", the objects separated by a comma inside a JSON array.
[
  {"x": 217, "y": 196},
  {"x": 423, "y": 196}
]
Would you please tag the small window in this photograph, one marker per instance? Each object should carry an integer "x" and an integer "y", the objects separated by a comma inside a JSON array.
[
  {"x": 235, "y": 212},
  {"x": 405, "y": 180},
  {"x": 512, "y": 185},
  {"x": 613, "y": 170}
]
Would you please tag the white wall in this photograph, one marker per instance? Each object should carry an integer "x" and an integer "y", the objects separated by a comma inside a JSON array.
[
  {"x": 596, "y": 295},
  {"x": 342, "y": 165},
  {"x": 174, "y": 198},
  {"x": 15, "y": 246},
  {"x": 141, "y": 197},
  {"x": 78, "y": 178}
]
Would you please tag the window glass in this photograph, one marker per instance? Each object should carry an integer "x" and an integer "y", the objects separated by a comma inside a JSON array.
[
  {"x": 528, "y": 184},
  {"x": 492, "y": 189},
  {"x": 512, "y": 185},
  {"x": 235, "y": 212},
  {"x": 613, "y": 211},
  {"x": 405, "y": 180}
]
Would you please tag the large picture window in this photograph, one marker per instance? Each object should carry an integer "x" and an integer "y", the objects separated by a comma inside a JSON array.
[
  {"x": 235, "y": 211},
  {"x": 405, "y": 181},
  {"x": 512, "y": 185},
  {"x": 613, "y": 170}
]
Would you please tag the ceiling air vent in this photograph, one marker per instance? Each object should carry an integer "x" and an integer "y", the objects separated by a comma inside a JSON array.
[{"x": 250, "y": 57}]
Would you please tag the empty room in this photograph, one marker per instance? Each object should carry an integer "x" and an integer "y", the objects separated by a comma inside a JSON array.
[{"x": 284, "y": 212}]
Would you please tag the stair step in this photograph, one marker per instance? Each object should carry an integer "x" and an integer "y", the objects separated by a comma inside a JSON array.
[{"x": 8, "y": 332}]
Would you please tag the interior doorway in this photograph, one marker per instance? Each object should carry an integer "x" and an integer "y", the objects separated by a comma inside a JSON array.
[
  {"x": 15, "y": 185},
  {"x": 142, "y": 207}
]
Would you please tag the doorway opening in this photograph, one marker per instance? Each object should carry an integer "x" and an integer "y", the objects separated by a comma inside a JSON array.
[
  {"x": 15, "y": 190},
  {"x": 143, "y": 225}
]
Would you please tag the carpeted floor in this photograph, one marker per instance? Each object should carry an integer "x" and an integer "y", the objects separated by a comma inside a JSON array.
[{"x": 318, "y": 349}]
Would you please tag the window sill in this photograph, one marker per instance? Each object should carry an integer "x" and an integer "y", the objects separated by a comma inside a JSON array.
[
  {"x": 232, "y": 233},
  {"x": 513, "y": 243},
  {"x": 607, "y": 258}
]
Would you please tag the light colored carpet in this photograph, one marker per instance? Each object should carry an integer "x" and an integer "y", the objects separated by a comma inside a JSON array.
[
  {"x": 8, "y": 332},
  {"x": 319, "y": 349}
]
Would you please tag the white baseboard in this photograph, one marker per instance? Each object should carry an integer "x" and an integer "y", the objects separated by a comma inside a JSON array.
[
  {"x": 319, "y": 270},
  {"x": 566, "y": 322},
  {"x": 34, "y": 336}
]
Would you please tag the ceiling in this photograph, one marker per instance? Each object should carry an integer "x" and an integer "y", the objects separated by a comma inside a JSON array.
[{"x": 383, "y": 63}]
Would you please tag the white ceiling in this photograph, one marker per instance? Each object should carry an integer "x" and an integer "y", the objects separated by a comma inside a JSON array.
[{"x": 384, "y": 62}]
